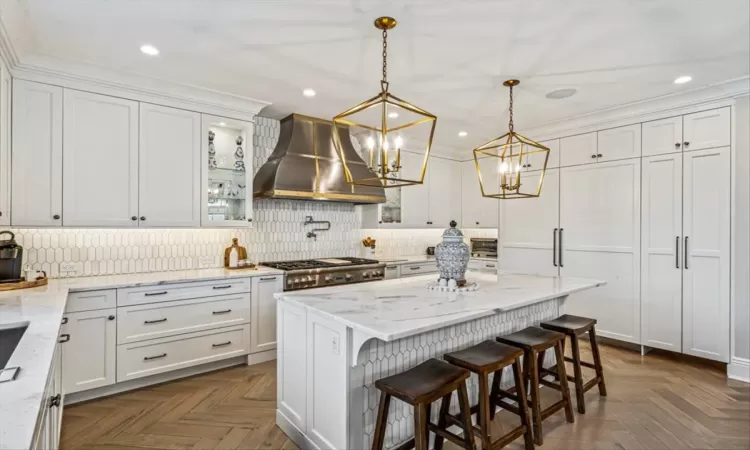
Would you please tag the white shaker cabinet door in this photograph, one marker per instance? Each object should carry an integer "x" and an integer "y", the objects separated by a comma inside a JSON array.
[
  {"x": 36, "y": 198},
  {"x": 477, "y": 211},
  {"x": 706, "y": 219},
  {"x": 662, "y": 136},
  {"x": 535, "y": 161},
  {"x": 577, "y": 150},
  {"x": 528, "y": 229},
  {"x": 445, "y": 192},
  {"x": 415, "y": 199},
  {"x": 5, "y": 124},
  {"x": 706, "y": 129},
  {"x": 263, "y": 312},
  {"x": 619, "y": 143},
  {"x": 88, "y": 349},
  {"x": 169, "y": 167},
  {"x": 100, "y": 152},
  {"x": 661, "y": 240}
]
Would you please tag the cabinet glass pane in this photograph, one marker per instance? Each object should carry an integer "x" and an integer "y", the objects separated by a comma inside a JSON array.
[
  {"x": 227, "y": 179},
  {"x": 391, "y": 209}
]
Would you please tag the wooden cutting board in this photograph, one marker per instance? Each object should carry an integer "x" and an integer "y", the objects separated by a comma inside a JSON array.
[{"x": 23, "y": 285}]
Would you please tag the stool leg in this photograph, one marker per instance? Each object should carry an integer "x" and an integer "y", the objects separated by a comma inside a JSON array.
[
  {"x": 597, "y": 362},
  {"x": 445, "y": 408},
  {"x": 496, "y": 380},
  {"x": 463, "y": 402},
  {"x": 382, "y": 421},
  {"x": 536, "y": 407},
  {"x": 420, "y": 427},
  {"x": 564, "y": 384},
  {"x": 484, "y": 411},
  {"x": 578, "y": 374},
  {"x": 523, "y": 408}
]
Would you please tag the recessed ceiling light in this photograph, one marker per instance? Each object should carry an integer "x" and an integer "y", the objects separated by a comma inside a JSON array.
[
  {"x": 392, "y": 115},
  {"x": 149, "y": 49},
  {"x": 308, "y": 92},
  {"x": 222, "y": 124},
  {"x": 682, "y": 79},
  {"x": 462, "y": 133},
  {"x": 561, "y": 93}
]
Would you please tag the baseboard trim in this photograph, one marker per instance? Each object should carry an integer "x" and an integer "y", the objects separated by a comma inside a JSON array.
[
  {"x": 138, "y": 383},
  {"x": 294, "y": 433},
  {"x": 739, "y": 369},
  {"x": 261, "y": 357}
]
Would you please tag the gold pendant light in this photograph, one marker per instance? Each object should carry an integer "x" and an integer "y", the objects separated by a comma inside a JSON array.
[
  {"x": 382, "y": 125},
  {"x": 511, "y": 166}
]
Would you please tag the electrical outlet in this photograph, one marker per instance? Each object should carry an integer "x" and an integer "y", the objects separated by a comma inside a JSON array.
[
  {"x": 335, "y": 344},
  {"x": 206, "y": 262},
  {"x": 71, "y": 267}
]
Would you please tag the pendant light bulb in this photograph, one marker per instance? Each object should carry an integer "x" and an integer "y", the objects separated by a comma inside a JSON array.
[
  {"x": 399, "y": 142},
  {"x": 370, "y": 143}
]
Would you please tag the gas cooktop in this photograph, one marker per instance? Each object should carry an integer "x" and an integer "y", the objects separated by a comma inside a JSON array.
[{"x": 311, "y": 273}]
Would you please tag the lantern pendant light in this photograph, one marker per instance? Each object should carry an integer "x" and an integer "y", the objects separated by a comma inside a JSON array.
[
  {"x": 512, "y": 165},
  {"x": 382, "y": 124}
]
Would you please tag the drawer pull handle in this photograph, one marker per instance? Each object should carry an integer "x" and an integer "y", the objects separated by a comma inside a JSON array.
[
  {"x": 226, "y": 311},
  {"x": 227, "y": 286},
  {"x": 64, "y": 338},
  {"x": 390, "y": 268},
  {"x": 223, "y": 344},
  {"x": 151, "y": 294},
  {"x": 155, "y": 321},
  {"x": 268, "y": 279},
  {"x": 414, "y": 268},
  {"x": 491, "y": 266},
  {"x": 64, "y": 321},
  {"x": 55, "y": 401},
  {"x": 149, "y": 358}
]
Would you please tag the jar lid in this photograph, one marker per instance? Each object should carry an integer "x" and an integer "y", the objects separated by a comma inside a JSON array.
[{"x": 453, "y": 231}]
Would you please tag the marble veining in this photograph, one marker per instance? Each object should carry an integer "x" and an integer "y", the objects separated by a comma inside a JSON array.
[{"x": 395, "y": 309}]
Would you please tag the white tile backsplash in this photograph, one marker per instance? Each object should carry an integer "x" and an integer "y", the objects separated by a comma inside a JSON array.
[{"x": 407, "y": 242}]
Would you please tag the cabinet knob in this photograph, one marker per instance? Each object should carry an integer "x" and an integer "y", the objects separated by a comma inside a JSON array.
[
  {"x": 686, "y": 143},
  {"x": 111, "y": 318},
  {"x": 143, "y": 217},
  {"x": 64, "y": 338},
  {"x": 249, "y": 220},
  {"x": 677, "y": 145},
  {"x": 477, "y": 223},
  {"x": 56, "y": 217},
  {"x": 593, "y": 156},
  {"x": 134, "y": 218},
  {"x": 1, "y": 214},
  {"x": 598, "y": 155},
  {"x": 55, "y": 401}
]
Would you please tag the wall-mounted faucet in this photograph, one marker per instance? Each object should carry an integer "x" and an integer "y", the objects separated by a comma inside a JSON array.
[{"x": 312, "y": 233}]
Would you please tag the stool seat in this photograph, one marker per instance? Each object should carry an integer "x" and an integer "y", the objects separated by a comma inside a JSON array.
[
  {"x": 532, "y": 338},
  {"x": 569, "y": 324},
  {"x": 486, "y": 356},
  {"x": 422, "y": 382}
]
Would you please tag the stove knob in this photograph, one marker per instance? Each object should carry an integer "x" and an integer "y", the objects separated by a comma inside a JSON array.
[
  {"x": 365, "y": 274},
  {"x": 348, "y": 277},
  {"x": 309, "y": 279},
  {"x": 328, "y": 279}
]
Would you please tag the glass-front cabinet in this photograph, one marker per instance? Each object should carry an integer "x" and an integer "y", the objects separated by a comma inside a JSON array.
[{"x": 227, "y": 196}]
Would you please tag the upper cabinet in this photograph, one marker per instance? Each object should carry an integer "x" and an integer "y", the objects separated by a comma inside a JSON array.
[
  {"x": 5, "y": 124},
  {"x": 169, "y": 167},
  {"x": 476, "y": 211},
  {"x": 227, "y": 161},
  {"x": 619, "y": 143},
  {"x": 697, "y": 131},
  {"x": 445, "y": 192},
  {"x": 37, "y": 154},
  {"x": 100, "y": 154},
  {"x": 577, "y": 150},
  {"x": 662, "y": 136}
]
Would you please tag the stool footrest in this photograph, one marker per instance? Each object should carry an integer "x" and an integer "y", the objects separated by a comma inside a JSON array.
[
  {"x": 408, "y": 445},
  {"x": 583, "y": 363},
  {"x": 591, "y": 383},
  {"x": 508, "y": 438},
  {"x": 456, "y": 439},
  {"x": 555, "y": 407},
  {"x": 550, "y": 384}
]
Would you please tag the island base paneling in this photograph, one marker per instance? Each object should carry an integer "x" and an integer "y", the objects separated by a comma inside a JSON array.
[{"x": 314, "y": 363}]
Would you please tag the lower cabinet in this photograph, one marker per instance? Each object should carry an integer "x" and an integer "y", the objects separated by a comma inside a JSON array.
[
  {"x": 88, "y": 343},
  {"x": 421, "y": 268},
  {"x": 50, "y": 417},
  {"x": 482, "y": 265},
  {"x": 263, "y": 312}
]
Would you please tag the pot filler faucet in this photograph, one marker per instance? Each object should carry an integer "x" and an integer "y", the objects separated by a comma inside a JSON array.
[{"x": 312, "y": 233}]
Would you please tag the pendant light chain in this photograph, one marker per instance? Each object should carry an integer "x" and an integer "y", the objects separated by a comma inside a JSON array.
[
  {"x": 510, "y": 109},
  {"x": 384, "y": 81}
]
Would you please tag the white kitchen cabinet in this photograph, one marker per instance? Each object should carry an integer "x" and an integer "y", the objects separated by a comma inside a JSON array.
[
  {"x": 418, "y": 268},
  {"x": 415, "y": 199},
  {"x": 226, "y": 187},
  {"x": 662, "y": 136},
  {"x": 706, "y": 231},
  {"x": 5, "y": 126},
  {"x": 476, "y": 211},
  {"x": 600, "y": 239},
  {"x": 88, "y": 349},
  {"x": 661, "y": 240},
  {"x": 100, "y": 155},
  {"x": 619, "y": 143},
  {"x": 535, "y": 161},
  {"x": 528, "y": 229},
  {"x": 578, "y": 149},
  {"x": 291, "y": 386},
  {"x": 392, "y": 271},
  {"x": 706, "y": 129},
  {"x": 36, "y": 194},
  {"x": 169, "y": 167},
  {"x": 445, "y": 192},
  {"x": 49, "y": 422},
  {"x": 263, "y": 312}
]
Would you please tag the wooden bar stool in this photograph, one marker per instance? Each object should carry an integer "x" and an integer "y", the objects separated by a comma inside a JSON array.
[
  {"x": 574, "y": 326},
  {"x": 419, "y": 387},
  {"x": 535, "y": 342},
  {"x": 483, "y": 359}
]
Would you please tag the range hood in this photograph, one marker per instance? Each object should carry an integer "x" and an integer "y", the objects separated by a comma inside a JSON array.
[{"x": 305, "y": 166}]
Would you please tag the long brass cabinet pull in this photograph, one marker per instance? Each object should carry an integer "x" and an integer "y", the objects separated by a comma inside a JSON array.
[
  {"x": 685, "y": 249},
  {"x": 554, "y": 247},
  {"x": 677, "y": 252},
  {"x": 149, "y": 358}
]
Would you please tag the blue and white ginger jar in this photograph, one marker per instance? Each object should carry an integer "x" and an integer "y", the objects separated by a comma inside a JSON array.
[{"x": 452, "y": 255}]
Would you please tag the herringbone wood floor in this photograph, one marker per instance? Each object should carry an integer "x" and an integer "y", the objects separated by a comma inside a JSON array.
[{"x": 659, "y": 401}]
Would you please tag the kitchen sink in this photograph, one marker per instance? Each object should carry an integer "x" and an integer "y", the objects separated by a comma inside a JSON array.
[{"x": 10, "y": 336}]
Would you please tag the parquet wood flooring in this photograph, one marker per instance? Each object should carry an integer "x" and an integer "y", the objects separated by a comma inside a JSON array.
[{"x": 659, "y": 401}]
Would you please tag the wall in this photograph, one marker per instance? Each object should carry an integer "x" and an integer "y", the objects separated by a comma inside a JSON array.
[
  {"x": 406, "y": 242},
  {"x": 741, "y": 247},
  {"x": 278, "y": 234}
]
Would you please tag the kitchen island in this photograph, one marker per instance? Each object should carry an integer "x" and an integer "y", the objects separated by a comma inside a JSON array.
[{"x": 334, "y": 343}]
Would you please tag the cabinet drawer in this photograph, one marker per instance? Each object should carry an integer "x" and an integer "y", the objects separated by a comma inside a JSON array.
[
  {"x": 484, "y": 266},
  {"x": 158, "y": 320},
  {"x": 142, "y": 359},
  {"x": 392, "y": 272},
  {"x": 91, "y": 300},
  {"x": 181, "y": 291},
  {"x": 418, "y": 268}
]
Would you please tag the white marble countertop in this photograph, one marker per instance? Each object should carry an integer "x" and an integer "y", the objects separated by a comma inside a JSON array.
[
  {"x": 420, "y": 258},
  {"x": 395, "y": 309},
  {"x": 42, "y": 308}
]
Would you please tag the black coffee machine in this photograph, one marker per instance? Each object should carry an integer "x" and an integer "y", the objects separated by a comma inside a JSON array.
[{"x": 11, "y": 256}]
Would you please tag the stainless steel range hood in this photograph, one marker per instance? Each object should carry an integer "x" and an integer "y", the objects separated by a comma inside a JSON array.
[{"x": 305, "y": 166}]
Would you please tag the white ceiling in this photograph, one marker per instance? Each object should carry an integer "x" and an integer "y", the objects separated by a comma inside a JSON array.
[{"x": 448, "y": 57}]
